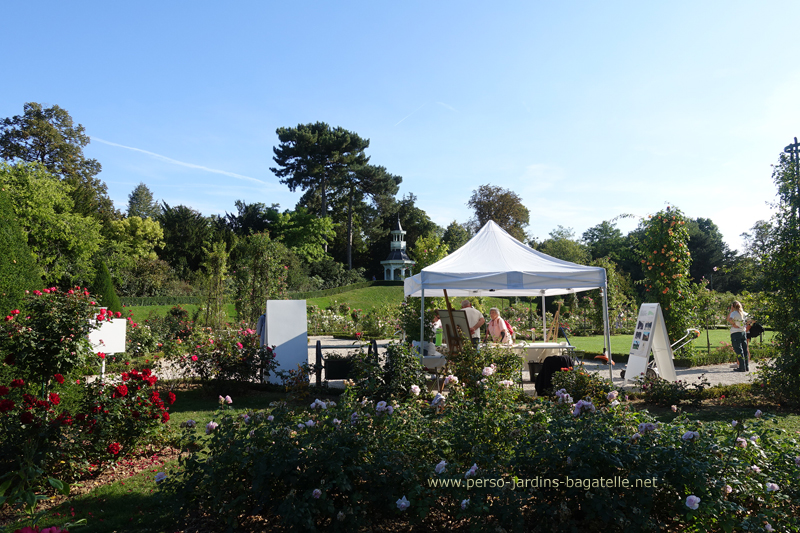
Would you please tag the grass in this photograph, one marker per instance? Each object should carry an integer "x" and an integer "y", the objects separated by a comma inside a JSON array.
[{"x": 621, "y": 344}]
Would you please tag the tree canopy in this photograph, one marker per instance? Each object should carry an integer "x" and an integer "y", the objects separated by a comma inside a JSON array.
[
  {"x": 317, "y": 157},
  {"x": 141, "y": 203},
  {"x": 455, "y": 236},
  {"x": 48, "y": 136},
  {"x": 492, "y": 202},
  {"x": 562, "y": 245}
]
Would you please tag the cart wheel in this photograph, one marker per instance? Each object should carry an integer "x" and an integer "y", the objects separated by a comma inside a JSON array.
[
  {"x": 622, "y": 374},
  {"x": 651, "y": 373}
]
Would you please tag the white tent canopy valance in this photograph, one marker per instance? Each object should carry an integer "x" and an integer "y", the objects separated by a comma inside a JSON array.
[{"x": 495, "y": 264}]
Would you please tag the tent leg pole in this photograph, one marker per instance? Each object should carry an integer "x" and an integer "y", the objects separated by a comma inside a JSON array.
[
  {"x": 544, "y": 321},
  {"x": 421, "y": 322},
  {"x": 607, "y": 332}
]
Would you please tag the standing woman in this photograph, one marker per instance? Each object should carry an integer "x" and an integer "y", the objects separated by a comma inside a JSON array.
[
  {"x": 736, "y": 319},
  {"x": 497, "y": 330}
]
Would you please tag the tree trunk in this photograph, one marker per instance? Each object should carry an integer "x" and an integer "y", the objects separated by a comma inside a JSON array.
[{"x": 350, "y": 231}]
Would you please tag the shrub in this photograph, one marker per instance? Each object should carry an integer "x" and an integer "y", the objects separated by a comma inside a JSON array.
[
  {"x": 103, "y": 288},
  {"x": 18, "y": 269},
  {"x": 659, "y": 391},
  {"x": 391, "y": 381},
  {"x": 486, "y": 463},
  {"x": 579, "y": 384}
]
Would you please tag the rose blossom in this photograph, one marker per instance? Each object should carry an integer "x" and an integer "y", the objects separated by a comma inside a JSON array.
[
  {"x": 692, "y": 502},
  {"x": 741, "y": 443},
  {"x": 758, "y": 413},
  {"x": 415, "y": 390},
  {"x": 728, "y": 489},
  {"x": 772, "y": 487},
  {"x": 464, "y": 504},
  {"x": 161, "y": 476},
  {"x": 211, "y": 426},
  {"x": 316, "y": 493},
  {"x": 403, "y": 504},
  {"x": 440, "y": 467},
  {"x": 488, "y": 371}
]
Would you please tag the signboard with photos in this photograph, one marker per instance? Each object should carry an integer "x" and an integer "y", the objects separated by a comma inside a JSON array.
[{"x": 650, "y": 335}]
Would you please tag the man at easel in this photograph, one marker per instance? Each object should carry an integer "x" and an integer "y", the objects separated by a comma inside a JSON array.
[{"x": 475, "y": 320}]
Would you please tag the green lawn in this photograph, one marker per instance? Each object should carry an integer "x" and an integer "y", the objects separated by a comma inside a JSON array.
[
  {"x": 621, "y": 344},
  {"x": 142, "y": 312}
]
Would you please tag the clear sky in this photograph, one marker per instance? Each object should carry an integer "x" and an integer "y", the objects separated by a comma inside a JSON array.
[{"x": 587, "y": 110}]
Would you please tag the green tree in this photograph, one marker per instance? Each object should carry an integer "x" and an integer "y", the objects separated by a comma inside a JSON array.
[
  {"x": 103, "y": 288},
  {"x": 427, "y": 250},
  {"x": 141, "y": 203},
  {"x": 137, "y": 237},
  {"x": 48, "y": 136},
  {"x": 302, "y": 232},
  {"x": 455, "y": 236},
  {"x": 708, "y": 251},
  {"x": 18, "y": 269},
  {"x": 562, "y": 245},
  {"x": 665, "y": 255},
  {"x": 492, "y": 202},
  {"x": 216, "y": 270},
  {"x": 781, "y": 262},
  {"x": 259, "y": 275},
  {"x": 186, "y": 233},
  {"x": 620, "y": 294},
  {"x": 63, "y": 242},
  {"x": 604, "y": 240},
  {"x": 317, "y": 157}
]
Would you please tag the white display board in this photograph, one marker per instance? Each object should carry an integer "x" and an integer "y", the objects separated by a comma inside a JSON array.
[
  {"x": 286, "y": 328},
  {"x": 109, "y": 337},
  {"x": 649, "y": 335}
]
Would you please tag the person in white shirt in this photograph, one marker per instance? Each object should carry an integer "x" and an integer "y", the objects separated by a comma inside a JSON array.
[
  {"x": 737, "y": 321},
  {"x": 475, "y": 320}
]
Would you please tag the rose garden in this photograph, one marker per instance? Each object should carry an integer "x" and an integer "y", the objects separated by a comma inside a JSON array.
[{"x": 195, "y": 426}]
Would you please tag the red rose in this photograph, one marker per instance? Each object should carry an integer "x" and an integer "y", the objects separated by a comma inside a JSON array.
[
  {"x": 125, "y": 376},
  {"x": 164, "y": 417},
  {"x": 114, "y": 448},
  {"x": 59, "y": 378},
  {"x": 6, "y": 405},
  {"x": 101, "y": 355},
  {"x": 17, "y": 383},
  {"x": 26, "y": 417},
  {"x": 171, "y": 398},
  {"x": 4, "y": 390},
  {"x": 122, "y": 390},
  {"x": 54, "y": 398}
]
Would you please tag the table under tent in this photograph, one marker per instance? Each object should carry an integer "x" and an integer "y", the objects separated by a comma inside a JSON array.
[{"x": 495, "y": 264}]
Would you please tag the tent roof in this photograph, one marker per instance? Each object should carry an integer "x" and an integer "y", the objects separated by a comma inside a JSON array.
[{"x": 493, "y": 263}]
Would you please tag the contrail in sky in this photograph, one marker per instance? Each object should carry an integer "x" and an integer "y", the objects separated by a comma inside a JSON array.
[
  {"x": 181, "y": 163},
  {"x": 417, "y": 109}
]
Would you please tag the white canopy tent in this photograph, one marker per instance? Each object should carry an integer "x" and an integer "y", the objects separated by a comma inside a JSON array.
[{"x": 495, "y": 264}]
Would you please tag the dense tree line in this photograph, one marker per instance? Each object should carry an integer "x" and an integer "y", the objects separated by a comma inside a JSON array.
[{"x": 338, "y": 232}]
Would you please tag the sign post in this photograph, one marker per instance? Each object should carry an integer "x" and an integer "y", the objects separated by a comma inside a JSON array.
[{"x": 650, "y": 335}]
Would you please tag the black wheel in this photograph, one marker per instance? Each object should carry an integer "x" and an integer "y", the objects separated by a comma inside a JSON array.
[
  {"x": 651, "y": 373},
  {"x": 622, "y": 374}
]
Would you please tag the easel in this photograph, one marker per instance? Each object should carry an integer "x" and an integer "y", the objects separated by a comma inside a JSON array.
[
  {"x": 552, "y": 333},
  {"x": 450, "y": 331}
]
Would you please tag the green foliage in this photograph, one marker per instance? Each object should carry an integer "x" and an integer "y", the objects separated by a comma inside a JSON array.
[
  {"x": 70, "y": 430},
  {"x": 186, "y": 233},
  {"x": 103, "y": 288},
  {"x": 392, "y": 380},
  {"x": 63, "y": 241},
  {"x": 345, "y": 465},
  {"x": 48, "y": 136},
  {"x": 141, "y": 203},
  {"x": 470, "y": 365},
  {"x": 216, "y": 270},
  {"x": 782, "y": 272},
  {"x": 580, "y": 384},
  {"x": 48, "y": 335},
  {"x": 18, "y": 269},
  {"x": 604, "y": 240},
  {"x": 259, "y": 275},
  {"x": 492, "y": 202},
  {"x": 317, "y": 157},
  {"x": 666, "y": 256},
  {"x": 665, "y": 393},
  {"x": 562, "y": 245},
  {"x": 427, "y": 251},
  {"x": 409, "y": 317},
  {"x": 455, "y": 236}
]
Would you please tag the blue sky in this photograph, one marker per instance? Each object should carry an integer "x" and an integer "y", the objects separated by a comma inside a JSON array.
[{"x": 587, "y": 110}]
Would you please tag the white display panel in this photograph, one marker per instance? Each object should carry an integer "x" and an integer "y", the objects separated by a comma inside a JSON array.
[
  {"x": 109, "y": 337},
  {"x": 286, "y": 328}
]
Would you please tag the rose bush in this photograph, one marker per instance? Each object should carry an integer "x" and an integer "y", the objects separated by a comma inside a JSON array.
[{"x": 486, "y": 462}]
